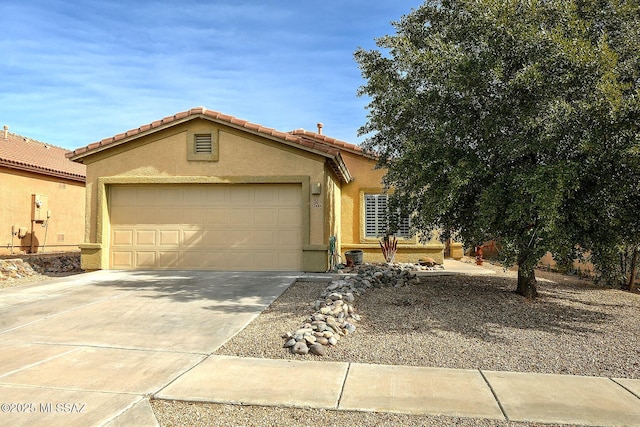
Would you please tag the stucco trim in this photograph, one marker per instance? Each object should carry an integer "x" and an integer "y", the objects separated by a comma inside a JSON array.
[{"x": 102, "y": 211}]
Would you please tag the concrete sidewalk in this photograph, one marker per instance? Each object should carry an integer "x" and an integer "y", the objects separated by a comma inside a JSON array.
[{"x": 524, "y": 397}]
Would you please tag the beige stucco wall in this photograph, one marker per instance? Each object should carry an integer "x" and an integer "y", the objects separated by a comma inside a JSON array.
[
  {"x": 64, "y": 230},
  {"x": 586, "y": 268},
  {"x": 243, "y": 158},
  {"x": 368, "y": 179}
]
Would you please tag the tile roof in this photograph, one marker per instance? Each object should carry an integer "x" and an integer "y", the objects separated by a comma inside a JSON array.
[
  {"x": 323, "y": 139},
  {"x": 310, "y": 141},
  {"x": 19, "y": 152}
]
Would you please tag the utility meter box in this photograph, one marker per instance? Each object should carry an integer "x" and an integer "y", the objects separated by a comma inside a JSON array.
[{"x": 39, "y": 207}]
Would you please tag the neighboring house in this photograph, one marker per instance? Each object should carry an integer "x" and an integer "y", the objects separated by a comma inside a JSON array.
[
  {"x": 204, "y": 190},
  {"x": 42, "y": 197}
]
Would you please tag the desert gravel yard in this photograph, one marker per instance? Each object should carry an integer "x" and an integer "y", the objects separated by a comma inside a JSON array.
[{"x": 469, "y": 322}]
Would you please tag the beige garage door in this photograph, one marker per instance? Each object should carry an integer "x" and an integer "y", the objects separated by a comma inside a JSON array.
[{"x": 208, "y": 226}]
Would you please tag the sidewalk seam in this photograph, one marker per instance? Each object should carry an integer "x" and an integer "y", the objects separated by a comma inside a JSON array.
[
  {"x": 162, "y": 387},
  {"x": 344, "y": 383},
  {"x": 622, "y": 385},
  {"x": 39, "y": 362},
  {"x": 495, "y": 396}
]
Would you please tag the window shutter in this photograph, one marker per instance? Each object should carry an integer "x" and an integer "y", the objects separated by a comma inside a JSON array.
[
  {"x": 371, "y": 226},
  {"x": 203, "y": 144},
  {"x": 377, "y": 218}
]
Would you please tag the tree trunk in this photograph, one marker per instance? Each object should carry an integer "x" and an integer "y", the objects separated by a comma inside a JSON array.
[
  {"x": 632, "y": 273},
  {"x": 527, "y": 283}
]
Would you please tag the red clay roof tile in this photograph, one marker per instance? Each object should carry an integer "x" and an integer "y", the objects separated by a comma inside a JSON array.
[{"x": 18, "y": 152}]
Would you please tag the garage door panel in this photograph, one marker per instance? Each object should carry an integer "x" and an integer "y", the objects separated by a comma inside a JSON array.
[
  {"x": 146, "y": 237},
  {"x": 217, "y": 260},
  {"x": 267, "y": 195},
  {"x": 125, "y": 196},
  {"x": 169, "y": 259},
  {"x": 192, "y": 239},
  {"x": 265, "y": 238},
  {"x": 217, "y": 196},
  {"x": 146, "y": 197},
  {"x": 225, "y": 227},
  {"x": 289, "y": 260},
  {"x": 216, "y": 216},
  {"x": 289, "y": 239},
  {"x": 170, "y": 196},
  {"x": 122, "y": 259},
  {"x": 169, "y": 237},
  {"x": 241, "y": 196},
  {"x": 125, "y": 215},
  {"x": 122, "y": 237},
  {"x": 194, "y": 195},
  {"x": 165, "y": 216},
  {"x": 240, "y": 238},
  {"x": 240, "y": 216},
  {"x": 215, "y": 239},
  {"x": 193, "y": 259},
  {"x": 145, "y": 259},
  {"x": 191, "y": 215},
  {"x": 289, "y": 196},
  {"x": 239, "y": 260},
  {"x": 265, "y": 260},
  {"x": 289, "y": 217},
  {"x": 266, "y": 216}
]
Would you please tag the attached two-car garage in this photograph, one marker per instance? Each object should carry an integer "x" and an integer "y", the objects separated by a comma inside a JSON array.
[{"x": 206, "y": 226}]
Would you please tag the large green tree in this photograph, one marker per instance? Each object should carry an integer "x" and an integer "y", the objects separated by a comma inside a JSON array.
[{"x": 512, "y": 120}]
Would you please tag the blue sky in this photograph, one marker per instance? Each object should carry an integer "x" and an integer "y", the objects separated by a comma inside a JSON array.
[{"x": 75, "y": 72}]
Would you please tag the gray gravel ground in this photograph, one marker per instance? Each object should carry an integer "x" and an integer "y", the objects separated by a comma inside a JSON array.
[
  {"x": 469, "y": 322},
  {"x": 172, "y": 414}
]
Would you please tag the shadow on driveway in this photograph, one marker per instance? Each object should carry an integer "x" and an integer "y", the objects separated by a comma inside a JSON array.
[{"x": 232, "y": 292}]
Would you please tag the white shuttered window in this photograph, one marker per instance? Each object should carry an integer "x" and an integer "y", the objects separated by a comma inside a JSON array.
[{"x": 377, "y": 218}]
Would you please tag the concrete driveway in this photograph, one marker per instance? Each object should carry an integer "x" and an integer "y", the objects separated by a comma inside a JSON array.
[{"x": 88, "y": 349}]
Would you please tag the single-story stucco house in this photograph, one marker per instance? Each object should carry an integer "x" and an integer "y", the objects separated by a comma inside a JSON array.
[
  {"x": 204, "y": 190},
  {"x": 41, "y": 197}
]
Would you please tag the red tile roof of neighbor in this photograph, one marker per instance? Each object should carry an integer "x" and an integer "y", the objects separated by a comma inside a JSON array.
[
  {"x": 312, "y": 141},
  {"x": 19, "y": 152}
]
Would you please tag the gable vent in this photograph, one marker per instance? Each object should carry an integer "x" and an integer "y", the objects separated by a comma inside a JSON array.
[{"x": 203, "y": 144}]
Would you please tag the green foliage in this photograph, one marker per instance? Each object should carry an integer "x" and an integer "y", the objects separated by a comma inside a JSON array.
[{"x": 512, "y": 120}]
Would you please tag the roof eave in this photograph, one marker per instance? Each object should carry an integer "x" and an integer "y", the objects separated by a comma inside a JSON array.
[
  {"x": 43, "y": 171},
  {"x": 344, "y": 173},
  {"x": 106, "y": 144},
  {"x": 316, "y": 145}
]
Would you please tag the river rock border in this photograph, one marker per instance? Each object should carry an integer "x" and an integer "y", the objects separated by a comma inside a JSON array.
[{"x": 335, "y": 315}]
